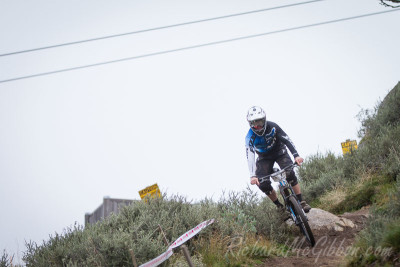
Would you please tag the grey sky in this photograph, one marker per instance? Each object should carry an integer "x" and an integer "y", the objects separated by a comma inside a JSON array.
[{"x": 68, "y": 139}]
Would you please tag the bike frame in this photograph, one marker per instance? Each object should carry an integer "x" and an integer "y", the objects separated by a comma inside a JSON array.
[{"x": 285, "y": 189}]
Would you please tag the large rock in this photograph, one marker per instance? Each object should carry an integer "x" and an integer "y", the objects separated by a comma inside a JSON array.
[{"x": 322, "y": 220}]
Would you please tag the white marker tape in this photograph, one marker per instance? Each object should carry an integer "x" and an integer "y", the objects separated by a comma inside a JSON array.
[
  {"x": 189, "y": 234},
  {"x": 160, "y": 259},
  {"x": 182, "y": 239}
]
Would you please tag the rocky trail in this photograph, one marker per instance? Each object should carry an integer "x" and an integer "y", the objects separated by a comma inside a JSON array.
[{"x": 334, "y": 236}]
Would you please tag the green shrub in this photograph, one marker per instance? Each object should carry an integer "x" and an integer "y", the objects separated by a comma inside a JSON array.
[
  {"x": 316, "y": 166},
  {"x": 259, "y": 215},
  {"x": 321, "y": 173},
  {"x": 391, "y": 237},
  {"x": 108, "y": 242},
  {"x": 5, "y": 260}
]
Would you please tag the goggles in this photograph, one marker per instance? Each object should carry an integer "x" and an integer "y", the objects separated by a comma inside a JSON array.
[{"x": 257, "y": 124}]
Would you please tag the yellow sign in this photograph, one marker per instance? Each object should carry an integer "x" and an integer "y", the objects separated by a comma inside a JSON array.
[
  {"x": 349, "y": 146},
  {"x": 151, "y": 190}
]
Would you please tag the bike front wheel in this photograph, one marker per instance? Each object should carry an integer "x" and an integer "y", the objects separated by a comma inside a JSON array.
[{"x": 301, "y": 220}]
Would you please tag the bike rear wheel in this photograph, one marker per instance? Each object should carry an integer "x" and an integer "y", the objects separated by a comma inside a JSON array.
[{"x": 302, "y": 220}]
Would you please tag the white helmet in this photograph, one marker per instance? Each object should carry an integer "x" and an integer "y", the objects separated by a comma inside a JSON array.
[{"x": 257, "y": 120}]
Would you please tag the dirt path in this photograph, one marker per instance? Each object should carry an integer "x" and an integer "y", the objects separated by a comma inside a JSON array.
[{"x": 330, "y": 248}]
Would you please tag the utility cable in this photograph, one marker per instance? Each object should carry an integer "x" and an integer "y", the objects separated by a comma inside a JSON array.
[
  {"x": 157, "y": 28},
  {"x": 198, "y": 46}
]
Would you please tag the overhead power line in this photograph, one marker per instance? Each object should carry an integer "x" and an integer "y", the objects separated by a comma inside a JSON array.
[
  {"x": 157, "y": 28},
  {"x": 198, "y": 46}
]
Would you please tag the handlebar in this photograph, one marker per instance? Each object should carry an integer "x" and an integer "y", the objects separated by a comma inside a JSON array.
[{"x": 291, "y": 166}]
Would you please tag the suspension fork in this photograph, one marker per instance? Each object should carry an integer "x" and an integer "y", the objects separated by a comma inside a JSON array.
[{"x": 286, "y": 191}]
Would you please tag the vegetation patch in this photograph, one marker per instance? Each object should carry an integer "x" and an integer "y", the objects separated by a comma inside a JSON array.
[
  {"x": 368, "y": 176},
  {"x": 246, "y": 230},
  {"x": 364, "y": 193}
]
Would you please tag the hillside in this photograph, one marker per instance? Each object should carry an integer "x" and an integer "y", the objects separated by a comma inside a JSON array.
[
  {"x": 362, "y": 187},
  {"x": 369, "y": 176}
]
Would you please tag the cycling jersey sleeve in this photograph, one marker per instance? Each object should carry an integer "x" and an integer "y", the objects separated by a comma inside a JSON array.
[
  {"x": 251, "y": 155},
  {"x": 251, "y": 161},
  {"x": 287, "y": 141}
]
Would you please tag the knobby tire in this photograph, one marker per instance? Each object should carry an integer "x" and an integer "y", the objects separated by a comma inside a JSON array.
[{"x": 303, "y": 225}]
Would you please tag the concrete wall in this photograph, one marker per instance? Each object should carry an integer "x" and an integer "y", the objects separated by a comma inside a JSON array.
[{"x": 109, "y": 205}]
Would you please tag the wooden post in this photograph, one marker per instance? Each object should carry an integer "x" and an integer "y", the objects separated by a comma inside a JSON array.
[
  {"x": 187, "y": 255},
  {"x": 183, "y": 247},
  {"x": 133, "y": 258}
]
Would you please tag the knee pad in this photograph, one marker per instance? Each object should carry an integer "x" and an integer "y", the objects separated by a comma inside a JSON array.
[
  {"x": 292, "y": 179},
  {"x": 266, "y": 187}
]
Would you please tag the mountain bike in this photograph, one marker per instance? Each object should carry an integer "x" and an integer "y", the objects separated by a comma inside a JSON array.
[{"x": 292, "y": 204}]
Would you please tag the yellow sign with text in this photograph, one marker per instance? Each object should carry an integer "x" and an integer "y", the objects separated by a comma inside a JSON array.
[
  {"x": 349, "y": 146},
  {"x": 151, "y": 190}
]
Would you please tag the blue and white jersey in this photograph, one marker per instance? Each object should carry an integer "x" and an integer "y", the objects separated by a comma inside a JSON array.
[{"x": 272, "y": 144}]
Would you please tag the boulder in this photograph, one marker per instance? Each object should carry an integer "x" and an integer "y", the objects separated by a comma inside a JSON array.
[{"x": 322, "y": 220}]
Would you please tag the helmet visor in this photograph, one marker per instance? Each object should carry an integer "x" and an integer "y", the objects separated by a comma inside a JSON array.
[{"x": 257, "y": 124}]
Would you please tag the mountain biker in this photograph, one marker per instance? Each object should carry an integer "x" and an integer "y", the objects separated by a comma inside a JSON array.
[{"x": 269, "y": 142}]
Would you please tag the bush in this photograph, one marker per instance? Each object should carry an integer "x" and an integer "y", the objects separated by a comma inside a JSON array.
[
  {"x": 323, "y": 173},
  {"x": 107, "y": 243},
  {"x": 391, "y": 238},
  {"x": 5, "y": 260}
]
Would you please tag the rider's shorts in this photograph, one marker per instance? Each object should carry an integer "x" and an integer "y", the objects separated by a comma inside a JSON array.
[{"x": 264, "y": 166}]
